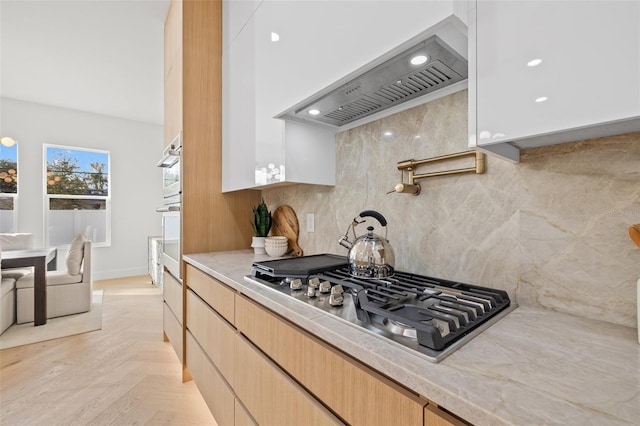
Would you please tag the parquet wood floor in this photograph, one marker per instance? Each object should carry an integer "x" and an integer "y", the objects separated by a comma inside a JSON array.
[{"x": 123, "y": 374}]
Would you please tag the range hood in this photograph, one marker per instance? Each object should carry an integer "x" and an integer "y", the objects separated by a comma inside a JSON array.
[{"x": 382, "y": 86}]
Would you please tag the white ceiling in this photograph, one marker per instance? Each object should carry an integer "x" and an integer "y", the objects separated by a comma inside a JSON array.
[{"x": 100, "y": 56}]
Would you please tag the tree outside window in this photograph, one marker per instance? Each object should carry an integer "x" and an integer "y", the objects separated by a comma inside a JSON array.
[{"x": 77, "y": 187}]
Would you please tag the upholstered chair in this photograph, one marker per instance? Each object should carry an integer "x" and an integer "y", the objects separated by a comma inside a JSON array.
[
  {"x": 68, "y": 291},
  {"x": 7, "y": 300}
]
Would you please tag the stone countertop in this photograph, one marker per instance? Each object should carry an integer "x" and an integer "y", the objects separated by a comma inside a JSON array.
[{"x": 533, "y": 367}]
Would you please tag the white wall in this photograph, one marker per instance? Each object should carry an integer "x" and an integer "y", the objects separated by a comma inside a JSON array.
[{"x": 136, "y": 184}]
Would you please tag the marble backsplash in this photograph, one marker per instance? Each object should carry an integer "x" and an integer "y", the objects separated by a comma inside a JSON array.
[{"x": 551, "y": 230}]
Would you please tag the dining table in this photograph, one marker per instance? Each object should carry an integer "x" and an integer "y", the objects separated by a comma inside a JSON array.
[{"x": 41, "y": 259}]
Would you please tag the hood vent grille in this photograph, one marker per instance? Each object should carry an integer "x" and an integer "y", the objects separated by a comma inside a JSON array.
[{"x": 387, "y": 85}]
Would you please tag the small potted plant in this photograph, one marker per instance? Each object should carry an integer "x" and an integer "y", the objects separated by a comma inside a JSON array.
[{"x": 261, "y": 225}]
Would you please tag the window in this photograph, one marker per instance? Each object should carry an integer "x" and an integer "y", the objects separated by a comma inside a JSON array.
[
  {"x": 8, "y": 187},
  {"x": 77, "y": 195}
]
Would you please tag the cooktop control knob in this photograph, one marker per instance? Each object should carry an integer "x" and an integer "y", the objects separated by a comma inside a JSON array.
[
  {"x": 336, "y": 299},
  {"x": 314, "y": 282},
  {"x": 337, "y": 289},
  {"x": 311, "y": 292},
  {"x": 296, "y": 284},
  {"x": 325, "y": 287}
]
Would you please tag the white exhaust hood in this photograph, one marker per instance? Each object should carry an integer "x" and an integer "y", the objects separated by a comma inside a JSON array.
[{"x": 428, "y": 66}]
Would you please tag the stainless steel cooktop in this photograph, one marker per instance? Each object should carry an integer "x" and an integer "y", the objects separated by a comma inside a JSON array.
[{"x": 431, "y": 316}]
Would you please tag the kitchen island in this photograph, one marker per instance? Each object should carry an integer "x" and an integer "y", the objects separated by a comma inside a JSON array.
[{"x": 534, "y": 366}]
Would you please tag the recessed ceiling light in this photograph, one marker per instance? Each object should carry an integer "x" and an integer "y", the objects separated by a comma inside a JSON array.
[
  {"x": 419, "y": 59},
  {"x": 275, "y": 36},
  {"x": 388, "y": 133},
  {"x": 541, "y": 99},
  {"x": 534, "y": 62},
  {"x": 313, "y": 112}
]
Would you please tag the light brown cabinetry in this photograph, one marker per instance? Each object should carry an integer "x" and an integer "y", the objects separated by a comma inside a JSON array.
[
  {"x": 172, "y": 315},
  {"x": 213, "y": 292},
  {"x": 172, "y": 73},
  {"x": 172, "y": 293},
  {"x": 254, "y": 367},
  {"x": 213, "y": 334},
  {"x": 215, "y": 390},
  {"x": 243, "y": 418},
  {"x": 271, "y": 396},
  {"x": 353, "y": 391},
  {"x": 226, "y": 367},
  {"x": 211, "y": 220},
  {"x": 434, "y": 416}
]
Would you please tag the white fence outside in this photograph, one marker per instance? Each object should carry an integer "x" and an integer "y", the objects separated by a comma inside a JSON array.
[
  {"x": 66, "y": 224},
  {"x": 7, "y": 221}
]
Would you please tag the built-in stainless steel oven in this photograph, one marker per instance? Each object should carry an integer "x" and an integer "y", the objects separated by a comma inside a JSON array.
[
  {"x": 170, "y": 163},
  {"x": 170, "y": 209}
]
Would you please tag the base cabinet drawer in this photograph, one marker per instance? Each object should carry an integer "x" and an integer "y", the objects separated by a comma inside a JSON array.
[
  {"x": 216, "y": 392},
  {"x": 243, "y": 418},
  {"x": 172, "y": 294},
  {"x": 271, "y": 396},
  {"x": 213, "y": 292},
  {"x": 434, "y": 416},
  {"x": 213, "y": 334},
  {"x": 172, "y": 330},
  {"x": 354, "y": 392}
]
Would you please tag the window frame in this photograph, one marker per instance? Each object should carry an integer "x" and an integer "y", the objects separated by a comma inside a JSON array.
[
  {"x": 47, "y": 197},
  {"x": 14, "y": 196}
]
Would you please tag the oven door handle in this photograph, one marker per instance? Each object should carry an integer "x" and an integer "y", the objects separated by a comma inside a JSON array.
[
  {"x": 171, "y": 154},
  {"x": 169, "y": 159},
  {"x": 166, "y": 209}
]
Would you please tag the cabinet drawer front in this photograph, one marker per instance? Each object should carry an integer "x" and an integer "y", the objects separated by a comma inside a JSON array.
[
  {"x": 172, "y": 293},
  {"x": 216, "y": 393},
  {"x": 356, "y": 393},
  {"x": 213, "y": 334},
  {"x": 271, "y": 396},
  {"x": 434, "y": 416},
  {"x": 243, "y": 418},
  {"x": 173, "y": 330},
  {"x": 217, "y": 295}
]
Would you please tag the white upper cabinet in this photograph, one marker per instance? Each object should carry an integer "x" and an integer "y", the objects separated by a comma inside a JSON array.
[
  {"x": 238, "y": 95},
  {"x": 236, "y": 13},
  {"x": 547, "y": 72},
  {"x": 278, "y": 53}
]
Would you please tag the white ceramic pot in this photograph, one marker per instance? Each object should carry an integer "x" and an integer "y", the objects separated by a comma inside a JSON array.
[
  {"x": 276, "y": 251},
  {"x": 258, "y": 245}
]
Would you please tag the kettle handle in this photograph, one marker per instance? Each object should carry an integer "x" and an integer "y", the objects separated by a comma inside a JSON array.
[{"x": 374, "y": 214}]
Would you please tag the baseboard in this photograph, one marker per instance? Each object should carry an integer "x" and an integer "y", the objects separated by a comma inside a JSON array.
[{"x": 119, "y": 273}]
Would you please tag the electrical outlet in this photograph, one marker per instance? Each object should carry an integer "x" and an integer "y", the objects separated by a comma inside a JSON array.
[{"x": 310, "y": 222}]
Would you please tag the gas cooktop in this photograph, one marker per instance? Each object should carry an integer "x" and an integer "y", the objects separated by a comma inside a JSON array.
[{"x": 429, "y": 315}]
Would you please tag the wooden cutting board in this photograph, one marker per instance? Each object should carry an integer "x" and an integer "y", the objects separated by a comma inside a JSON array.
[
  {"x": 285, "y": 222},
  {"x": 634, "y": 233}
]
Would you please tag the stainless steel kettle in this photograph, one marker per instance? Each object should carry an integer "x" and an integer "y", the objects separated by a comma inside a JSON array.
[{"x": 370, "y": 256}]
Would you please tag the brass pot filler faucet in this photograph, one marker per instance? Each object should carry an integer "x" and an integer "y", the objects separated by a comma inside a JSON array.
[{"x": 410, "y": 165}]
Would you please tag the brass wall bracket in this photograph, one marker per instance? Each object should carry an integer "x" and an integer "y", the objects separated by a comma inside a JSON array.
[{"x": 410, "y": 165}]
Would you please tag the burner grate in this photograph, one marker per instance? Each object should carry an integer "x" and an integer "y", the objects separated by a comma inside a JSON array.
[
  {"x": 440, "y": 311},
  {"x": 425, "y": 313}
]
